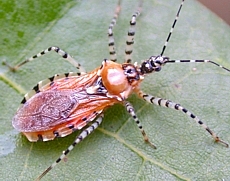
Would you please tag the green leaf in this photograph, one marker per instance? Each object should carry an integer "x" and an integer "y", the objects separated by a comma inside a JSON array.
[{"x": 116, "y": 150}]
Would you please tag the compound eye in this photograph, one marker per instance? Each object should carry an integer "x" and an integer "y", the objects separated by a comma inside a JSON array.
[
  {"x": 131, "y": 73},
  {"x": 157, "y": 69}
]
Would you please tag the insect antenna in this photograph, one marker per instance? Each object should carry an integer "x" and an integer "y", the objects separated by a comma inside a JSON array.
[
  {"x": 197, "y": 61},
  {"x": 173, "y": 26},
  {"x": 155, "y": 63}
]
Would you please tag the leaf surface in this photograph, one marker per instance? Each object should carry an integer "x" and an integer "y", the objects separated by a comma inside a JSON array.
[{"x": 116, "y": 150}]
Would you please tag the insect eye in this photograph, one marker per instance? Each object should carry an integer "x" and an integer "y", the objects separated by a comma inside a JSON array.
[
  {"x": 157, "y": 69},
  {"x": 130, "y": 72}
]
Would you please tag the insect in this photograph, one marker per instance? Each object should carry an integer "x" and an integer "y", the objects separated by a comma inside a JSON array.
[{"x": 65, "y": 103}]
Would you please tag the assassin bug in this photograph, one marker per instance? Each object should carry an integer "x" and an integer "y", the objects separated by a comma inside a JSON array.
[{"x": 64, "y": 103}]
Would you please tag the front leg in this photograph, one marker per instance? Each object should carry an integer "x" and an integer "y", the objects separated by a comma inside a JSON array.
[{"x": 173, "y": 105}]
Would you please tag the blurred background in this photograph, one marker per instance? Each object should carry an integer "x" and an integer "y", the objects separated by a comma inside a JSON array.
[{"x": 220, "y": 7}]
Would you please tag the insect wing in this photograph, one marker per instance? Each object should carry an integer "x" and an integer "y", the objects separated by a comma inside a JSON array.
[{"x": 60, "y": 107}]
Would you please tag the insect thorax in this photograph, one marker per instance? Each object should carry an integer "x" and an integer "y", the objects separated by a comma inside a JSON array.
[{"x": 119, "y": 79}]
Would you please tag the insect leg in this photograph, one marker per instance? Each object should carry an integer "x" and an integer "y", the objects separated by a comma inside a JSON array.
[
  {"x": 79, "y": 138},
  {"x": 112, "y": 51},
  {"x": 131, "y": 34},
  {"x": 131, "y": 111},
  {"x": 170, "y": 104},
  {"x": 57, "y": 50}
]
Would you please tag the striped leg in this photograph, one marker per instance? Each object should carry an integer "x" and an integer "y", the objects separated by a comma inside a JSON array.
[
  {"x": 170, "y": 104},
  {"x": 79, "y": 138},
  {"x": 131, "y": 34},
  {"x": 112, "y": 51},
  {"x": 57, "y": 50},
  {"x": 131, "y": 111}
]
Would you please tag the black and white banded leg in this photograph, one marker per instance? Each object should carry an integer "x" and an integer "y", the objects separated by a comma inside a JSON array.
[
  {"x": 79, "y": 138},
  {"x": 112, "y": 51},
  {"x": 172, "y": 105},
  {"x": 131, "y": 111},
  {"x": 42, "y": 85},
  {"x": 62, "y": 53},
  {"x": 131, "y": 34}
]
